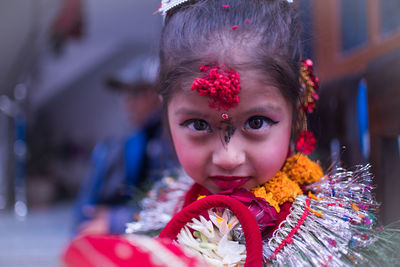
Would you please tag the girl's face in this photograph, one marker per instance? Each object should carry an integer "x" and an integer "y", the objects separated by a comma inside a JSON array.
[{"x": 257, "y": 149}]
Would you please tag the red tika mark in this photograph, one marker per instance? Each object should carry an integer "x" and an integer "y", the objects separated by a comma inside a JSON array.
[
  {"x": 221, "y": 86},
  {"x": 235, "y": 27},
  {"x": 289, "y": 237}
]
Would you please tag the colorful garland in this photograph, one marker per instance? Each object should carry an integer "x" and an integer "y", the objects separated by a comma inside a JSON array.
[
  {"x": 336, "y": 226},
  {"x": 298, "y": 170}
]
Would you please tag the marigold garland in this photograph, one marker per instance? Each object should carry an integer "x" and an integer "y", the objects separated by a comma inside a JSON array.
[
  {"x": 285, "y": 185},
  {"x": 261, "y": 192},
  {"x": 281, "y": 188},
  {"x": 302, "y": 170}
]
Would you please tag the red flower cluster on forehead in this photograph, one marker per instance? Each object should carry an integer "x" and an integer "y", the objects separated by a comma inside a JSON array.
[
  {"x": 222, "y": 86},
  {"x": 310, "y": 85}
]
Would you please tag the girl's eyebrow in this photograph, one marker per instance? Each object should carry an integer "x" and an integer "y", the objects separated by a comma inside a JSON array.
[
  {"x": 266, "y": 108},
  {"x": 189, "y": 111}
]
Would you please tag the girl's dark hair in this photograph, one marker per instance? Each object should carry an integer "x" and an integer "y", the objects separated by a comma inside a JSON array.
[{"x": 267, "y": 41}]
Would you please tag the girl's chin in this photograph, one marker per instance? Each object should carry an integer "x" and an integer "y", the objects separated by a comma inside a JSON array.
[{"x": 218, "y": 187}]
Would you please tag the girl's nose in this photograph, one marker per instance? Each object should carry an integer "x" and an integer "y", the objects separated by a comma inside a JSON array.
[{"x": 229, "y": 157}]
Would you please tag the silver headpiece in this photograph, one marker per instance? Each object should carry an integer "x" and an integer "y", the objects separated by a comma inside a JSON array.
[{"x": 167, "y": 5}]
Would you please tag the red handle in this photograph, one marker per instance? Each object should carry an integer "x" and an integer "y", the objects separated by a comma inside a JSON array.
[{"x": 246, "y": 219}]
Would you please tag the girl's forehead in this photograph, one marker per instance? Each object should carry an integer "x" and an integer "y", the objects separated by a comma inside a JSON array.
[
  {"x": 247, "y": 77},
  {"x": 253, "y": 93},
  {"x": 257, "y": 92}
]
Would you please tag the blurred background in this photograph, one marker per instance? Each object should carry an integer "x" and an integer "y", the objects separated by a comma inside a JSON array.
[{"x": 54, "y": 107}]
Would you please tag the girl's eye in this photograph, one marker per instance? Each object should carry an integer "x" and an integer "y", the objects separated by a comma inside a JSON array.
[
  {"x": 258, "y": 122},
  {"x": 197, "y": 125}
]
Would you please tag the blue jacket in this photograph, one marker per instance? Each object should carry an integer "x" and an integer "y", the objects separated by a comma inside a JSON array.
[{"x": 120, "y": 172}]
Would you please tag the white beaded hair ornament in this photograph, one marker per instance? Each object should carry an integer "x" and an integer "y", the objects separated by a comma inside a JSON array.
[{"x": 167, "y": 5}]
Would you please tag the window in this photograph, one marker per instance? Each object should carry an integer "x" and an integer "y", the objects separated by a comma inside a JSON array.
[
  {"x": 390, "y": 16},
  {"x": 353, "y": 24},
  {"x": 348, "y": 34}
]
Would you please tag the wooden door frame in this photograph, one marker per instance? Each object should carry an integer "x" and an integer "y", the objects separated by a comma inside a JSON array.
[{"x": 331, "y": 63}]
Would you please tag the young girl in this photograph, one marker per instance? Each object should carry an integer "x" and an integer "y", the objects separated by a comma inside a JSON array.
[{"x": 235, "y": 93}]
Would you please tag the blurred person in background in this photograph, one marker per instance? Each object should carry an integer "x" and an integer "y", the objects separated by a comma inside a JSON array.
[{"x": 121, "y": 169}]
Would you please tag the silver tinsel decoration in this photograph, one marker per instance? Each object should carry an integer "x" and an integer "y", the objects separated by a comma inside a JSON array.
[
  {"x": 159, "y": 206},
  {"x": 340, "y": 229}
]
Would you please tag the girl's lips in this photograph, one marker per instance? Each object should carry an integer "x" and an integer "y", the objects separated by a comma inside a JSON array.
[{"x": 229, "y": 182}]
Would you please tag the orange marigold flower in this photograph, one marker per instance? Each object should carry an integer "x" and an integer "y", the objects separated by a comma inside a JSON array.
[
  {"x": 302, "y": 170},
  {"x": 282, "y": 188},
  {"x": 285, "y": 185},
  {"x": 262, "y": 193}
]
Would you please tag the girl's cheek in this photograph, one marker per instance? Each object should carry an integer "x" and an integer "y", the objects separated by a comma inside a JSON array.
[
  {"x": 179, "y": 148},
  {"x": 184, "y": 150},
  {"x": 271, "y": 156}
]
